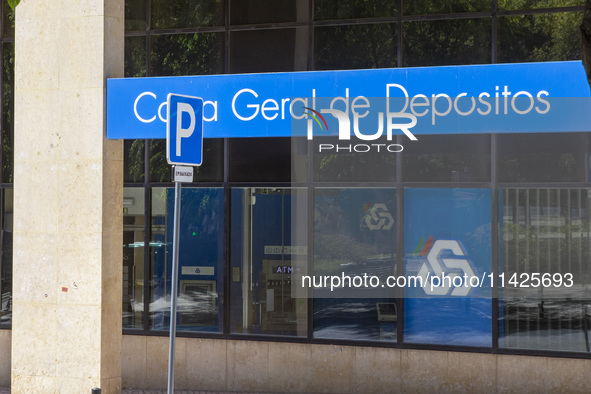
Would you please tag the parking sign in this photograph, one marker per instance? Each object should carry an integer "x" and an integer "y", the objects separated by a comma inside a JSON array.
[{"x": 184, "y": 130}]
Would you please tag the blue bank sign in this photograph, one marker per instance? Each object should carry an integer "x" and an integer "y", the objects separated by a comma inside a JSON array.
[{"x": 532, "y": 97}]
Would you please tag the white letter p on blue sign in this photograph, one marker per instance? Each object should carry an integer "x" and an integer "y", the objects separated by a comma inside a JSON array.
[{"x": 184, "y": 130}]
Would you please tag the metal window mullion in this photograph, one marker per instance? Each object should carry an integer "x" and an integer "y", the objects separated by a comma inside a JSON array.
[
  {"x": 226, "y": 303},
  {"x": 2, "y": 224},
  {"x": 147, "y": 256},
  {"x": 400, "y": 39},
  {"x": 147, "y": 235},
  {"x": 227, "y": 38},
  {"x": 311, "y": 35},
  {"x": 148, "y": 38},
  {"x": 311, "y": 230},
  {"x": 538, "y": 239},
  {"x": 494, "y": 32},
  {"x": 506, "y": 264},
  {"x": 399, "y": 244},
  {"x": 581, "y": 232},
  {"x": 527, "y": 228},
  {"x": 2, "y": 100},
  {"x": 495, "y": 242}
]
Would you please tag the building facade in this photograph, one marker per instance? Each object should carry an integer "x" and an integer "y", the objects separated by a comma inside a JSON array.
[{"x": 260, "y": 209}]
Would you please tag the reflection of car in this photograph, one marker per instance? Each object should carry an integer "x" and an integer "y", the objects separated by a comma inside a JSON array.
[
  {"x": 6, "y": 307},
  {"x": 194, "y": 308},
  {"x": 381, "y": 267}
]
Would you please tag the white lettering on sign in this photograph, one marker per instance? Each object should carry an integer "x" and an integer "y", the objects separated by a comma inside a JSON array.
[
  {"x": 182, "y": 132},
  {"x": 210, "y": 109}
]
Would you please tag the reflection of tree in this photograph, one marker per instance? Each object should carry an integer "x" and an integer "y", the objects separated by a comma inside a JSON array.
[
  {"x": 188, "y": 54},
  {"x": 346, "y": 9},
  {"x": 355, "y": 46},
  {"x": 586, "y": 34},
  {"x": 356, "y": 166},
  {"x": 160, "y": 170},
  {"x": 135, "y": 161},
  {"x": 546, "y": 230},
  {"x": 547, "y": 249},
  {"x": 135, "y": 57},
  {"x": 542, "y": 37},
  {"x": 422, "y": 7},
  {"x": 7, "y": 112},
  {"x": 533, "y": 4},
  {"x": 168, "y": 14},
  {"x": 541, "y": 167},
  {"x": 446, "y": 167},
  {"x": 446, "y": 42}
]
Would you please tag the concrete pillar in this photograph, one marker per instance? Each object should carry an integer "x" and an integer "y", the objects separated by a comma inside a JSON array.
[{"x": 68, "y": 187}]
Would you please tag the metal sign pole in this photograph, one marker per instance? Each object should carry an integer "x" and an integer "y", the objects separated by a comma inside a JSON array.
[
  {"x": 174, "y": 280},
  {"x": 192, "y": 134}
]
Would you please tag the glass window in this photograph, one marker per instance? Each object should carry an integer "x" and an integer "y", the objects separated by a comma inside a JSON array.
[
  {"x": 539, "y": 38},
  {"x": 267, "y": 159},
  {"x": 133, "y": 257},
  {"x": 422, "y": 7},
  {"x": 187, "y": 54},
  {"x": 201, "y": 259},
  {"x": 8, "y": 112},
  {"x": 354, "y": 236},
  {"x": 168, "y": 14},
  {"x": 273, "y": 50},
  {"x": 356, "y": 160},
  {"x": 354, "y": 9},
  {"x": 268, "y": 11},
  {"x": 211, "y": 169},
  {"x": 135, "y": 56},
  {"x": 533, "y": 4},
  {"x": 269, "y": 245},
  {"x": 6, "y": 262},
  {"x": 544, "y": 255},
  {"x": 447, "y": 231},
  {"x": 447, "y": 42},
  {"x": 135, "y": 15},
  {"x": 8, "y": 20},
  {"x": 447, "y": 158},
  {"x": 559, "y": 157},
  {"x": 355, "y": 46},
  {"x": 133, "y": 160}
]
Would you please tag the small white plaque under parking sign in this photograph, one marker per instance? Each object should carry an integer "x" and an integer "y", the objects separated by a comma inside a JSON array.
[{"x": 183, "y": 174}]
